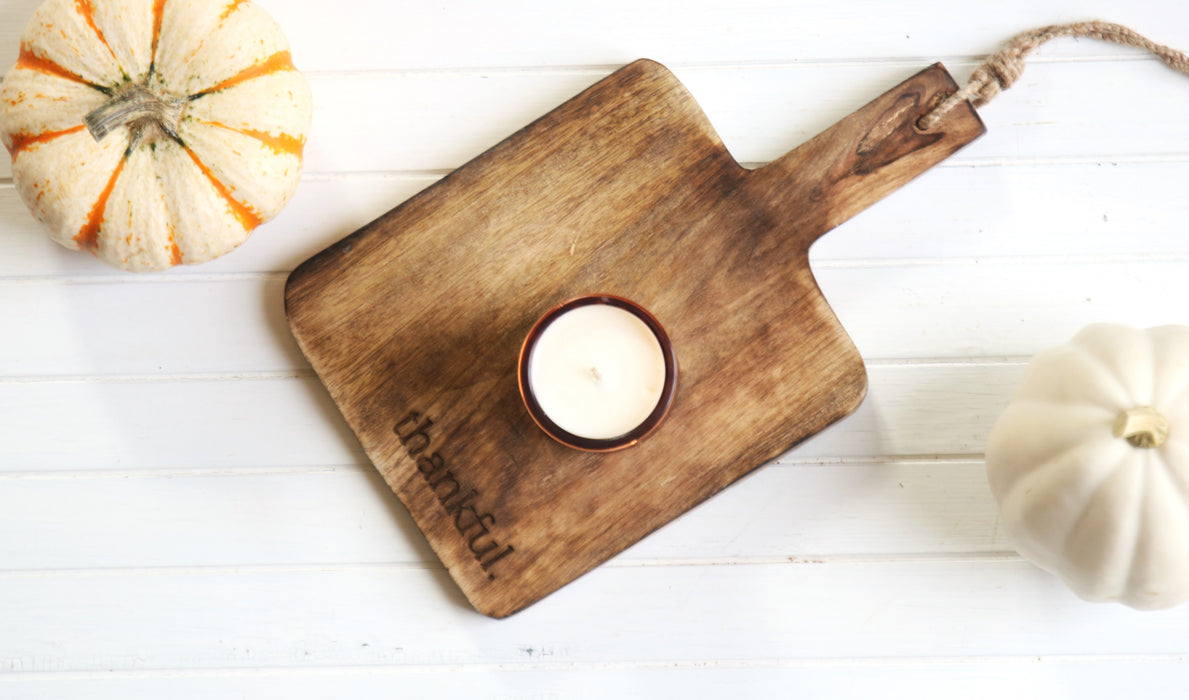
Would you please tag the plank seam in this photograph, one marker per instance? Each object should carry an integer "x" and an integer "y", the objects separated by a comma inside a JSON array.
[
  {"x": 1112, "y": 159},
  {"x": 1054, "y": 56},
  {"x": 53, "y": 474},
  {"x": 1004, "y": 260},
  {"x": 554, "y": 666},
  {"x": 913, "y": 558},
  {"x": 277, "y": 277},
  {"x": 173, "y": 378},
  {"x": 1103, "y": 159},
  {"x": 883, "y": 460},
  {"x": 307, "y": 373},
  {"x": 166, "y": 277},
  {"x": 174, "y": 473}
]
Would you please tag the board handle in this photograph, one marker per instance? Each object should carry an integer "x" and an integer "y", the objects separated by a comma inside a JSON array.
[{"x": 863, "y": 158}]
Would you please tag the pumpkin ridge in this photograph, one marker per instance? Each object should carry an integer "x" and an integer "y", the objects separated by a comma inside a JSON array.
[
  {"x": 283, "y": 144},
  {"x": 1146, "y": 493},
  {"x": 1172, "y": 474},
  {"x": 158, "y": 17},
  {"x": 87, "y": 12},
  {"x": 88, "y": 235},
  {"x": 1168, "y": 394},
  {"x": 243, "y": 213},
  {"x": 1106, "y": 371},
  {"x": 1088, "y": 418},
  {"x": 22, "y": 141},
  {"x": 1055, "y": 462},
  {"x": 175, "y": 253},
  {"x": 232, "y": 7},
  {"x": 1182, "y": 394},
  {"x": 280, "y": 61},
  {"x": 30, "y": 61},
  {"x": 1088, "y": 511},
  {"x": 1153, "y": 367}
]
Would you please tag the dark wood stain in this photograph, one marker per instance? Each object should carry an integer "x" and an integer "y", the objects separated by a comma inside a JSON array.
[{"x": 625, "y": 189}]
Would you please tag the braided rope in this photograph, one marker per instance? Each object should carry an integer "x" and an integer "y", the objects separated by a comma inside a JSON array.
[{"x": 1004, "y": 67}]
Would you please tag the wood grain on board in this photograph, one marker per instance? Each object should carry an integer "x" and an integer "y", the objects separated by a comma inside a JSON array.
[{"x": 414, "y": 322}]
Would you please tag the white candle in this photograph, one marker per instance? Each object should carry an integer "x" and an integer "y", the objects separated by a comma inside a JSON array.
[{"x": 597, "y": 370}]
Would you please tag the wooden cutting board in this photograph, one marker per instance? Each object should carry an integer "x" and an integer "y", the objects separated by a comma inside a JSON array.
[{"x": 415, "y": 321}]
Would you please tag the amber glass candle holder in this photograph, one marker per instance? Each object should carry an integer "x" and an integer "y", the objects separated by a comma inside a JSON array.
[{"x": 597, "y": 373}]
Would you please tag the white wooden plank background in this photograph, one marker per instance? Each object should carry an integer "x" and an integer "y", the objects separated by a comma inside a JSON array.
[{"x": 183, "y": 514}]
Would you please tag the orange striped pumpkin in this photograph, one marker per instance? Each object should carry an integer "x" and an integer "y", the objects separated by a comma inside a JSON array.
[{"x": 154, "y": 133}]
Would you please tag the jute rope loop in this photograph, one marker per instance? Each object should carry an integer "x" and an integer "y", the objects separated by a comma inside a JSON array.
[{"x": 1004, "y": 67}]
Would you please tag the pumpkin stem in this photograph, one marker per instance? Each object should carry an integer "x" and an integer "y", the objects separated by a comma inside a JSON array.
[
  {"x": 1143, "y": 426},
  {"x": 141, "y": 110}
]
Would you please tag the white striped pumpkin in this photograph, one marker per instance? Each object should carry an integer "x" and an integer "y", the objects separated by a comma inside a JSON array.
[{"x": 154, "y": 133}]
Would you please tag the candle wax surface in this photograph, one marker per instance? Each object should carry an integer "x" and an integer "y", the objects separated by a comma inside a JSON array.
[{"x": 597, "y": 371}]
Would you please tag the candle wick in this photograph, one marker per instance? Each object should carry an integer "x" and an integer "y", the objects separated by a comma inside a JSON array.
[{"x": 595, "y": 375}]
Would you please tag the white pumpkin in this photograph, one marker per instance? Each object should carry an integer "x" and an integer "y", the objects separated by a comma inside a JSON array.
[
  {"x": 154, "y": 132},
  {"x": 1090, "y": 464}
]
